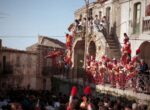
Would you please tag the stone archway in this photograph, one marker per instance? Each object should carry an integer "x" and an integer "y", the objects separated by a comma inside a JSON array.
[
  {"x": 79, "y": 49},
  {"x": 92, "y": 49},
  {"x": 144, "y": 54}
]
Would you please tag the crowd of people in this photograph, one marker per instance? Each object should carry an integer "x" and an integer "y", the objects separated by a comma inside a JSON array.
[
  {"x": 117, "y": 72},
  {"x": 96, "y": 24},
  {"x": 46, "y": 100}
]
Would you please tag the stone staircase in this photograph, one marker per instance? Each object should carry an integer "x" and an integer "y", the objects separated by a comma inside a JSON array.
[{"x": 114, "y": 47}]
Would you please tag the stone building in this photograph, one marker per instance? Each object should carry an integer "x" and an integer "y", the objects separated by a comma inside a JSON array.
[
  {"x": 42, "y": 48},
  {"x": 19, "y": 68},
  {"x": 28, "y": 68},
  {"x": 122, "y": 16}
]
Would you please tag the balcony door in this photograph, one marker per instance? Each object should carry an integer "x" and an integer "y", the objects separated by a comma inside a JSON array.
[{"x": 137, "y": 18}]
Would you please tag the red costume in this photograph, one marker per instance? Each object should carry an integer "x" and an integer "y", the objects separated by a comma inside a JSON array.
[
  {"x": 138, "y": 51},
  {"x": 73, "y": 93},
  {"x": 85, "y": 104},
  {"x": 126, "y": 38},
  {"x": 122, "y": 80},
  {"x": 68, "y": 41},
  {"x": 68, "y": 57}
]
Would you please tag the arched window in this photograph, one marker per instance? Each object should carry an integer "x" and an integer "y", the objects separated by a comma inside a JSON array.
[{"x": 137, "y": 18}]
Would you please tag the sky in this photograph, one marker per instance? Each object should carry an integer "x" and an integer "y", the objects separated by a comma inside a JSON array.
[{"x": 21, "y": 21}]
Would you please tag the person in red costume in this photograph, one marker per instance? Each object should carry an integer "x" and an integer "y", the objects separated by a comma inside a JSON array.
[
  {"x": 99, "y": 78},
  {"x": 126, "y": 51},
  {"x": 132, "y": 72},
  {"x": 124, "y": 58},
  {"x": 68, "y": 57},
  {"x": 126, "y": 38},
  {"x": 88, "y": 71},
  {"x": 86, "y": 103},
  {"x": 122, "y": 80},
  {"x": 116, "y": 74},
  {"x": 102, "y": 70},
  {"x": 138, "y": 51},
  {"x": 73, "y": 94},
  {"x": 93, "y": 67},
  {"x": 68, "y": 41},
  {"x": 111, "y": 73}
]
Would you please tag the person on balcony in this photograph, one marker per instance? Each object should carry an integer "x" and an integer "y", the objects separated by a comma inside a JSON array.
[
  {"x": 90, "y": 24},
  {"x": 83, "y": 23},
  {"x": 69, "y": 40},
  {"x": 104, "y": 26},
  {"x": 76, "y": 23},
  {"x": 78, "y": 26},
  {"x": 97, "y": 24}
]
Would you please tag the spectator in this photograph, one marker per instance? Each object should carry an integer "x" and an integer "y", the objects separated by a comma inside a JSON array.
[
  {"x": 143, "y": 66},
  {"x": 97, "y": 23}
]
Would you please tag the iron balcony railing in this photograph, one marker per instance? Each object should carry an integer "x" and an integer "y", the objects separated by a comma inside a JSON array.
[{"x": 146, "y": 24}]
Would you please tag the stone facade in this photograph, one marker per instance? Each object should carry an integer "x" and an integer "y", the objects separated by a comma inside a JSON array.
[
  {"x": 138, "y": 29},
  {"x": 28, "y": 68},
  {"x": 19, "y": 68},
  {"x": 123, "y": 16},
  {"x": 42, "y": 48}
]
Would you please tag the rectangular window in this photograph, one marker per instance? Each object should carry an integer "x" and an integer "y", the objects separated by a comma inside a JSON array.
[
  {"x": 108, "y": 18},
  {"x": 4, "y": 62},
  {"x": 137, "y": 18},
  {"x": 108, "y": 13}
]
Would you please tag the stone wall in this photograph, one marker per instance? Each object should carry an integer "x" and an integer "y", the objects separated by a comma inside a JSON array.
[
  {"x": 20, "y": 67},
  {"x": 42, "y": 48}
]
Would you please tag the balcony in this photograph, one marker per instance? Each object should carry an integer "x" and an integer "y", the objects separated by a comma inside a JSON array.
[{"x": 146, "y": 25}]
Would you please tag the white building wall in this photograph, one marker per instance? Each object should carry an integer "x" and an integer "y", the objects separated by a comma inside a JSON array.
[{"x": 124, "y": 25}]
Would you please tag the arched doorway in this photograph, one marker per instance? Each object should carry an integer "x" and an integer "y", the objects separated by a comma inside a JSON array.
[
  {"x": 79, "y": 50},
  {"x": 92, "y": 49},
  {"x": 144, "y": 54}
]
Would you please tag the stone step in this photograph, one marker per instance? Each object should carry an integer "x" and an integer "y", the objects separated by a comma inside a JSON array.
[
  {"x": 112, "y": 43},
  {"x": 116, "y": 53},
  {"x": 110, "y": 39},
  {"x": 114, "y": 48}
]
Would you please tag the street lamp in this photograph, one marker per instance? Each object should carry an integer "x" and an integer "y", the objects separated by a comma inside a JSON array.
[{"x": 86, "y": 31}]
